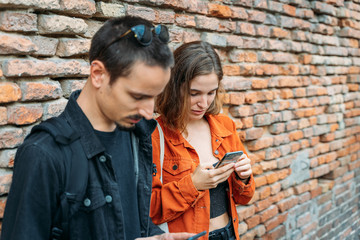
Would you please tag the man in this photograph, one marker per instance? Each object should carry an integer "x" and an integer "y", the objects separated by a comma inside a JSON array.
[{"x": 130, "y": 66}]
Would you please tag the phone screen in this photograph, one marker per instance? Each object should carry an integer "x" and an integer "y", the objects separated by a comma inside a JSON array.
[{"x": 229, "y": 158}]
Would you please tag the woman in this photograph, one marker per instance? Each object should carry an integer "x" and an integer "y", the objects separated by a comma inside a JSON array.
[{"x": 194, "y": 196}]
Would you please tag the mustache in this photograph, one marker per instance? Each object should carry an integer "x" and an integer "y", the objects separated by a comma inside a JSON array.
[{"x": 135, "y": 117}]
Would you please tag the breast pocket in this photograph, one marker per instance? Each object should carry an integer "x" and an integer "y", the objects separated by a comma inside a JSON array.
[{"x": 176, "y": 168}]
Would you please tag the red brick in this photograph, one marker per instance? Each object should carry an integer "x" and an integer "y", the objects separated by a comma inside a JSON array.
[
  {"x": 221, "y": 11},
  {"x": 43, "y": 90},
  {"x": 236, "y": 98},
  {"x": 256, "y": 169},
  {"x": 16, "y": 44},
  {"x": 18, "y": 21},
  {"x": 45, "y": 46},
  {"x": 79, "y": 7},
  {"x": 287, "y": 203},
  {"x": 277, "y": 233},
  {"x": 246, "y": 29},
  {"x": 9, "y": 92},
  {"x": 239, "y": 13},
  {"x": 165, "y": 17},
  {"x": 304, "y": 187},
  {"x": 261, "y": 205},
  {"x": 191, "y": 36},
  {"x": 248, "y": 122},
  {"x": 256, "y": 16},
  {"x": 259, "y": 83},
  {"x": 24, "y": 114},
  {"x": 10, "y": 137},
  {"x": 2, "y": 207},
  {"x": 261, "y": 143},
  {"x": 184, "y": 20},
  {"x": 253, "y": 221},
  {"x": 272, "y": 177},
  {"x": 260, "y": 181},
  {"x": 253, "y": 133},
  {"x": 272, "y": 211},
  {"x": 316, "y": 192},
  {"x": 73, "y": 47},
  {"x": 275, "y": 221},
  {"x": 277, "y": 32},
  {"x": 303, "y": 219},
  {"x": 3, "y": 115},
  {"x": 264, "y": 192},
  {"x": 289, "y": 10},
  {"x": 245, "y": 212}
]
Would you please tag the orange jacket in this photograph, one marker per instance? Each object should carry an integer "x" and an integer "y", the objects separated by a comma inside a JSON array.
[{"x": 177, "y": 201}]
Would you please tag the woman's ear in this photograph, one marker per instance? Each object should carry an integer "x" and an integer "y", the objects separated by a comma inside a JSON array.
[{"x": 98, "y": 73}]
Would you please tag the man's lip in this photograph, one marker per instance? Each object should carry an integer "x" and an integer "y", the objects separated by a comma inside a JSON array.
[{"x": 134, "y": 120}]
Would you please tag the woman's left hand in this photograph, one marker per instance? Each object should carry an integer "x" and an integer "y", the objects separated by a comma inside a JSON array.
[{"x": 243, "y": 167}]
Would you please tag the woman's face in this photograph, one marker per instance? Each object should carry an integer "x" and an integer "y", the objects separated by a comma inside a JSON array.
[{"x": 202, "y": 93}]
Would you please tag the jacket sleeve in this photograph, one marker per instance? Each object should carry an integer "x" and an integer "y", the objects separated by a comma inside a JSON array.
[
  {"x": 153, "y": 229},
  {"x": 170, "y": 200},
  {"x": 242, "y": 193},
  {"x": 32, "y": 200}
]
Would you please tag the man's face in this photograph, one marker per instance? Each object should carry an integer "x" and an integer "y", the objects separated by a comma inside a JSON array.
[{"x": 131, "y": 98}]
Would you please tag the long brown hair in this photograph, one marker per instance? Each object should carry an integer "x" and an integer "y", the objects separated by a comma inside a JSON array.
[{"x": 191, "y": 60}]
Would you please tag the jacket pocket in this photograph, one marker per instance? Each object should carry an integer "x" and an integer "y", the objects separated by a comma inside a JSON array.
[
  {"x": 93, "y": 199},
  {"x": 176, "y": 168}
]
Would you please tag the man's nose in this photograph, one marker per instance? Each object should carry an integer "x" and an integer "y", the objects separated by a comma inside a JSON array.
[{"x": 147, "y": 109}]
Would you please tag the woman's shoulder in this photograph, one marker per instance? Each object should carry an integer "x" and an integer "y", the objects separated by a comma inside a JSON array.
[{"x": 223, "y": 118}]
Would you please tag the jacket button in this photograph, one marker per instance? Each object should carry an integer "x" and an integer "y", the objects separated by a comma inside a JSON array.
[
  {"x": 216, "y": 140},
  {"x": 87, "y": 202},
  {"x": 102, "y": 158},
  {"x": 216, "y": 152},
  {"x": 175, "y": 167},
  {"x": 108, "y": 199}
]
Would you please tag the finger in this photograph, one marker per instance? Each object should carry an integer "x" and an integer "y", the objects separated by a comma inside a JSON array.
[{"x": 242, "y": 168}]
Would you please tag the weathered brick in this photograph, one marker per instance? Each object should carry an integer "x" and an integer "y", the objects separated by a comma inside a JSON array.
[
  {"x": 214, "y": 39},
  {"x": 3, "y": 116},
  {"x": 184, "y": 20},
  {"x": 261, "y": 143},
  {"x": 7, "y": 158},
  {"x": 24, "y": 114},
  {"x": 260, "y": 181},
  {"x": 252, "y": 221},
  {"x": 56, "y": 24},
  {"x": 262, "y": 120},
  {"x": 16, "y": 44},
  {"x": 54, "y": 108},
  {"x": 59, "y": 68},
  {"x": 253, "y": 133},
  {"x": 256, "y": 16},
  {"x": 5, "y": 182},
  {"x": 144, "y": 12},
  {"x": 40, "y": 4},
  {"x": 9, "y": 92},
  {"x": 78, "y": 8},
  {"x": 245, "y": 29},
  {"x": 18, "y": 21},
  {"x": 10, "y": 137},
  {"x": 73, "y": 47},
  {"x": 42, "y": 90},
  {"x": 69, "y": 86},
  {"x": 245, "y": 212},
  {"x": 44, "y": 46},
  {"x": 109, "y": 10},
  {"x": 239, "y": 13}
]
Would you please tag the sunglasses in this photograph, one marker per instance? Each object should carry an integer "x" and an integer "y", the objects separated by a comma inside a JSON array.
[{"x": 144, "y": 35}]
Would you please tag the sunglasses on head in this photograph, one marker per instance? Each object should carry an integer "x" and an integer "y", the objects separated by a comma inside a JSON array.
[{"x": 144, "y": 35}]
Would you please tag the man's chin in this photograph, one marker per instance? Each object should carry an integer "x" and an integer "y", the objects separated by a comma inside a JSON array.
[{"x": 126, "y": 127}]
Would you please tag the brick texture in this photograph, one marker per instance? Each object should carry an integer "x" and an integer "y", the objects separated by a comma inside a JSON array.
[{"x": 291, "y": 80}]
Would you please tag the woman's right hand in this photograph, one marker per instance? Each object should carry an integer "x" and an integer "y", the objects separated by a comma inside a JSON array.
[{"x": 207, "y": 177}]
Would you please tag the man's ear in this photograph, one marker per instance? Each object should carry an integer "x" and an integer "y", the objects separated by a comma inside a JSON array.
[{"x": 98, "y": 73}]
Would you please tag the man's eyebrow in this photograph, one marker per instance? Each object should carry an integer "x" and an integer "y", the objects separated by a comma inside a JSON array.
[{"x": 141, "y": 94}]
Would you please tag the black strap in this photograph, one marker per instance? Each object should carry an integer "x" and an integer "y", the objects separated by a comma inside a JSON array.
[{"x": 76, "y": 165}]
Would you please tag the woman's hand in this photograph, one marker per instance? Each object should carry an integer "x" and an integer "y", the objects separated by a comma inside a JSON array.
[
  {"x": 206, "y": 177},
  {"x": 243, "y": 167}
]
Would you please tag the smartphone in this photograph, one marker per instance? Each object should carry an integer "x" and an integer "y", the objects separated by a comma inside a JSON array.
[
  {"x": 197, "y": 236},
  {"x": 228, "y": 158}
]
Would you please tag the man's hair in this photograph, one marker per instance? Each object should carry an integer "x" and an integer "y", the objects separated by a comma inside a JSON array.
[
  {"x": 120, "y": 56},
  {"x": 191, "y": 60}
]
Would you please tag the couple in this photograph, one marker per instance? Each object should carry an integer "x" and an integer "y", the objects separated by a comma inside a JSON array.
[{"x": 131, "y": 65}]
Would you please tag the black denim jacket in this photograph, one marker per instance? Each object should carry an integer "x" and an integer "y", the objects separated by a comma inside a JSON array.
[{"x": 38, "y": 181}]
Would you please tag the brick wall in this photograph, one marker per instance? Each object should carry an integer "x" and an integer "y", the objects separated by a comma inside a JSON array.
[{"x": 292, "y": 75}]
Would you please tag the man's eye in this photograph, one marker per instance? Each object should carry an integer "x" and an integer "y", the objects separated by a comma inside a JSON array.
[{"x": 137, "y": 97}]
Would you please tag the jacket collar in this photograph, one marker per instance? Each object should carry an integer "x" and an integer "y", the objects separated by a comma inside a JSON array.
[
  {"x": 80, "y": 123},
  {"x": 217, "y": 128}
]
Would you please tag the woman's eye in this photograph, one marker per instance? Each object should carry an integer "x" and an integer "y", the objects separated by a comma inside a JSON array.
[
  {"x": 194, "y": 94},
  {"x": 137, "y": 97}
]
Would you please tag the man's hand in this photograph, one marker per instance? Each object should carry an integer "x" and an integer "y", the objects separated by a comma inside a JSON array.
[{"x": 169, "y": 236}]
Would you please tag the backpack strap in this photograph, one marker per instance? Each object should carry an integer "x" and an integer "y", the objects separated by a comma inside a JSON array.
[
  {"x": 162, "y": 149},
  {"x": 76, "y": 167}
]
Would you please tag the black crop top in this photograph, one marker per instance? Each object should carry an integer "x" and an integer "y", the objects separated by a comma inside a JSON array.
[{"x": 219, "y": 200}]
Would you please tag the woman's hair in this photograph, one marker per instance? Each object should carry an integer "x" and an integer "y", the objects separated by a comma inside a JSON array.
[{"x": 191, "y": 60}]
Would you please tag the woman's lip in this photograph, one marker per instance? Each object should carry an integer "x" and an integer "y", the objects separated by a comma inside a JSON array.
[{"x": 198, "y": 112}]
